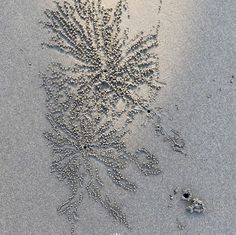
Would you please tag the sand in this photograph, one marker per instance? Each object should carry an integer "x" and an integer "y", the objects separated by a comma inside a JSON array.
[{"x": 197, "y": 63}]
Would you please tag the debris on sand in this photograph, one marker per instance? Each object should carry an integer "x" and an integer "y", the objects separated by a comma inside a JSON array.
[{"x": 196, "y": 206}]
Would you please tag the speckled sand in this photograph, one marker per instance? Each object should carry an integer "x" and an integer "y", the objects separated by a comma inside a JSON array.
[{"x": 197, "y": 62}]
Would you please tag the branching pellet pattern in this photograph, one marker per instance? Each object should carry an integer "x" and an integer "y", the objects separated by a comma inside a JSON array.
[{"x": 83, "y": 100}]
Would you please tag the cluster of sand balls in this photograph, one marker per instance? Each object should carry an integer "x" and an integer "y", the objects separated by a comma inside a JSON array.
[{"x": 82, "y": 100}]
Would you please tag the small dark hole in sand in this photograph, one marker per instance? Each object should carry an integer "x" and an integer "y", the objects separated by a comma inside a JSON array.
[
  {"x": 186, "y": 195},
  {"x": 149, "y": 111},
  {"x": 85, "y": 146}
]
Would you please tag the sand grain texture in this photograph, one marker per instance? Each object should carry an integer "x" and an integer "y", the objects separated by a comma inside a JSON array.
[{"x": 197, "y": 61}]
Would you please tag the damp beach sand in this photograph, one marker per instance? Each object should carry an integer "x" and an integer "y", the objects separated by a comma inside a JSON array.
[{"x": 189, "y": 183}]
